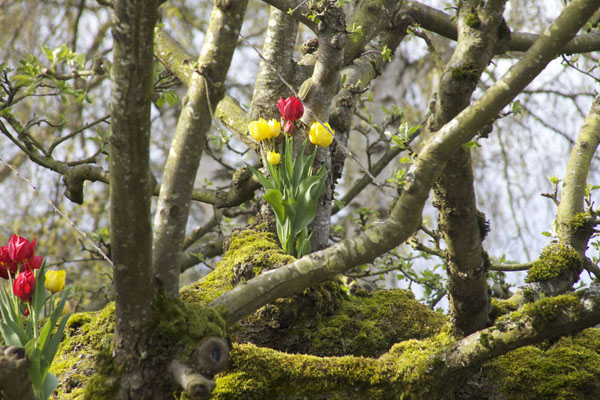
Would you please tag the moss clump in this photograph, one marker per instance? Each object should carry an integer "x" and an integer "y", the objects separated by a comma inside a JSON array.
[
  {"x": 548, "y": 309},
  {"x": 501, "y": 307},
  {"x": 582, "y": 223},
  {"x": 83, "y": 362},
  {"x": 468, "y": 72},
  {"x": 250, "y": 252},
  {"x": 323, "y": 321},
  {"x": 472, "y": 21},
  {"x": 503, "y": 31},
  {"x": 567, "y": 369},
  {"x": 556, "y": 260},
  {"x": 407, "y": 371},
  {"x": 180, "y": 326}
]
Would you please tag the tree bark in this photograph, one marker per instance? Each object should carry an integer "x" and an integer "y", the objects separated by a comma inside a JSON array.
[{"x": 130, "y": 183}]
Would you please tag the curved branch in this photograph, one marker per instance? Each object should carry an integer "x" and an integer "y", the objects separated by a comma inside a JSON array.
[
  {"x": 205, "y": 91},
  {"x": 574, "y": 183},
  {"x": 405, "y": 217}
]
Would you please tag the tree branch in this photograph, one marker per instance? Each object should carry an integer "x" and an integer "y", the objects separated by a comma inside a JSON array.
[
  {"x": 130, "y": 185},
  {"x": 205, "y": 91},
  {"x": 405, "y": 217}
]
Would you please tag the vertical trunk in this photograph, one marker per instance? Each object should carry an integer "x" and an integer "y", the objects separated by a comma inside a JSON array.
[
  {"x": 478, "y": 27},
  {"x": 130, "y": 187}
]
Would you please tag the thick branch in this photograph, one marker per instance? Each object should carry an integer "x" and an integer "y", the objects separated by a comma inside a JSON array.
[
  {"x": 14, "y": 378},
  {"x": 130, "y": 183},
  {"x": 205, "y": 91},
  {"x": 443, "y": 24},
  {"x": 405, "y": 218},
  {"x": 545, "y": 319},
  {"x": 454, "y": 192},
  {"x": 574, "y": 184}
]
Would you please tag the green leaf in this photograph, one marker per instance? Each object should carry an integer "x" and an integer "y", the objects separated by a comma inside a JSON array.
[
  {"x": 261, "y": 178},
  {"x": 50, "y": 385},
  {"x": 9, "y": 336},
  {"x": 39, "y": 292},
  {"x": 274, "y": 198},
  {"x": 546, "y": 233}
]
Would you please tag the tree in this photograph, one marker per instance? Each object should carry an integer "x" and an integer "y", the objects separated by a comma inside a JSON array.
[{"x": 169, "y": 340}]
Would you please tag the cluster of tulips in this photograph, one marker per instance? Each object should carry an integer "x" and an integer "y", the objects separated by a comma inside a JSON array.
[
  {"x": 30, "y": 298},
  {"x": 292, "y": 188}
]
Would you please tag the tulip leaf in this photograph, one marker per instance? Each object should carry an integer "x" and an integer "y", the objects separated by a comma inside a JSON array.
[
  {"x": 50, "y": 384},
  {"x": 9, "y": 335},
  {"x": 261, "y": 178},
  {"x": 274, "y": 198},
  {"x": 39, "y": 292}
]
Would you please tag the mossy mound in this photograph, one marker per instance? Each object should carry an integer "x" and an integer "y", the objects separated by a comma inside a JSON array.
[
  {"x": 248, "y": 253},
  {"x": 411, "y": 370},
  {"x": 86, "y": 350},
  {"x": 556, "y": 261},
  {"x": 566, "y": 369},
  {"x": 323, "y": 321}
]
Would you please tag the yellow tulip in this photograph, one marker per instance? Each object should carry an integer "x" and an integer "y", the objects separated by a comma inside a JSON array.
[
  {"x": 66, "y": 309},
  {"x": 319, "y": 135},
  {"x": 261, "y": 129},
  {"x": 55, "y": 280},
  {"x": 273, "y": 158}
]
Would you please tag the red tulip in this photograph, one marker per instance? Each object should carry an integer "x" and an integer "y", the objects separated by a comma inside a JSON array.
[
  {"x": 288, "y": 127},
  {"x": 24, "y": 285},
  {"x": 291, "y": 108},
  {"x": 20, "y": 249},
  {"x": 6, "y": 264},
  {"x": 34, "y": 262}
]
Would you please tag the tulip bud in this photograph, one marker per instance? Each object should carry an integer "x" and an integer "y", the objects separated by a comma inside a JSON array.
[
  {"x": 66, "y": 309},
  {"x": 55, "y": 280},
  {"x": 319, "y": 135},
  {"x": 261, "y": 129},
  {"x": 288, "y": 127},
  {"x": 20, "y": 249},
  {"x": 23, "y": 285},
  {"x": 273, "y": 158},
  {"x": 291, "y": 108}
]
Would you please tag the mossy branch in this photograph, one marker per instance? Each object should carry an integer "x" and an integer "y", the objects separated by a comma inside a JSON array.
[
  {"x": 405, "y": 217},
  {"x": 547, "y": 318},
  {"x": 575, "y": 227}
]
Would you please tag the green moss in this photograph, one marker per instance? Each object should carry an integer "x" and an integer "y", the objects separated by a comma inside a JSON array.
[
  {"x": 567, "y": 369},
  {"x": 547, "y": 309},
  {"x": 501, "y": 307},
  {"x": 250, "y": 252},
  {"x": 472, "y": 20},
  {"x": 85, "y": 350},
  {"x": 483, "y": 224},
  {"x": 323, "y": 321},
  {"x": 582, "y": 223},
  {"x": 468, "y": 71},
  {"x": 407, "y": 371},
  {"x": 181, "y": 326},
  {"x": 555, "y": 261}
]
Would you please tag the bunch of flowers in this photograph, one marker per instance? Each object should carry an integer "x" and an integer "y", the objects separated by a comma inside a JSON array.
[
  {"x": 292, "y": 188},
  {"x": 24, "y": 305}
]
